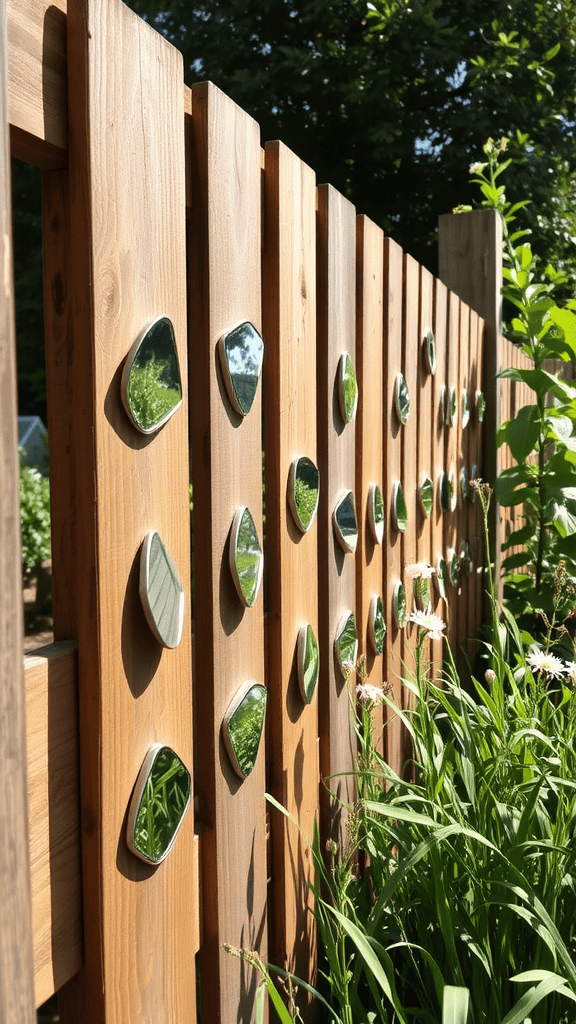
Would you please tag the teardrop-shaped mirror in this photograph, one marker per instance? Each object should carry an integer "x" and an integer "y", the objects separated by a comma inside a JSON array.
[
  {"x": 347, "y": 388},
  {"x": 464, "y": 409},
  {"x": 441, "y": 576},
  {"x": 464, "y": 484},
  {"x": 450, "y": 406},
  {"x": 401, "y": 399},
  {"x": 453, "y": 566},
  {"x": 246, "y": 558},
  {"x": 243, "y": 725},
  {"x": 466, "y": 563},
  {"x": 429, "y": 348},
  {"x": 376, "y": 624},
  {"x": 346, "y": 644},
  {"x": 480, "y": 406},
  {"x": 426, "y": 496},
  {"x": 399, "y": 603},
  {"x": 161, "y": 593},
  {"x": 159, "y": 801},
  {"x": 421, "y": 591},
  {"x": 399, "y": 507},
  {"x": 303, "y": 492},
  {"x": 376, "y": 513},
  {"x": 473, "y": 477},
  {"x": 151, "y": 386},
  {"x": 344, "y": 522},
  {"x": 308, "y": 657},
  {"x": 241, "y": 351},
  {"x": 444, "y": 492}
]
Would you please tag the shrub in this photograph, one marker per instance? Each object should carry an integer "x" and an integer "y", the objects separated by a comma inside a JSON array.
[{"x": 34, "y": 516}]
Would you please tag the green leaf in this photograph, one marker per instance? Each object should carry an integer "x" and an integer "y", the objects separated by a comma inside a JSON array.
[
  {"x": 535, "y": 995},
  {"x": 455, "y": 1005},
  {"x": 521, "y": 536},
  {"x": 523, "y": 432},
  {"x": 566, "y": 320}
]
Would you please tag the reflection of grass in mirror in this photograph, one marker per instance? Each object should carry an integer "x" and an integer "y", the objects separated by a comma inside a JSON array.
[
  {"x": 400, "y": 605},
  {"x": 245, "y": 728},
  {"x": 306, "y": 492},
  {"x": 378, "y": 626},
  {"x": 163, "y": 803},
  {"x": 311, "y": 663},
  {"x": 403, "y": 398},
  {"x": 150, "y": 397},
  {"x": 442, "y": 576},
  {"x": 248, "y": 556},
  {"x": 350, "y": 389},
  {"x": 400, "y": 508},
  {"x": 347, "y": 643},
  {"x": 378, "y": 506},
  {"x": 427, "y": 495}
]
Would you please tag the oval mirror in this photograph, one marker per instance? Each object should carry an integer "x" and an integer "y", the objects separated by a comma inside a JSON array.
[
  {"x": 344, "y": 522},
  {"x": 464, "y": 409},
  {"x": 347, "y": 388},
  {"x": 401, "y": 399},
  {"x": 466, "y": 562},
  {"x": 441, "y": 576},
  {"x": 464, "y": 484},
  {"x": 480, "y": 406},
  {"x": 161, "y": 593},
  {"x": 159, "y": 801},
  {"x": 399, "y": 507},
  {"x": 346, "y": 644},
  {"x": 376, "y": 624},
  {"x": 303, "y": 492},
  {"x": 453, "y": 566},
  {"x": 450, "y": 406},
  {"x": 429, "y": 347},
  {"x": 376, "y": 513},
  {"x": 243, "y": 725},
  {"x": 426, "y": 496},
  {"x": 246, "y": 558},
  {"x": 241, "y": 351},
  {"x": 473, "y": 476},
  {"x": 400, "y": 605},
  {"x": 308, "y": 657},
  {"x": 151, "y": 386}
]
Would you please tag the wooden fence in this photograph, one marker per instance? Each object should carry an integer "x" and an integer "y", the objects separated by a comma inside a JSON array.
[{"x": 158, "y": 199}]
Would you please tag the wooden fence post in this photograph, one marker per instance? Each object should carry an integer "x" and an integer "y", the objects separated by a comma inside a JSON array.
[{"x": 16, "y": 962}]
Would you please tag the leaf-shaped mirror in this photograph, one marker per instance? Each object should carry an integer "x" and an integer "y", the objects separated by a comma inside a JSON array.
[
  {"x": 400, "y": 605},
  {"x": 308, "y": 657},
  {"x": 376, "y": 513},
  {"x": 480, "y": 406},
  {"x": 464, "y": 409},
  {"x": 473, "y": 476},
  {"x": 376, "y": 624},
  {"x": 453, "y": 566},
  {"x": 401, "y": 399},
  {"x": 399, "y": 507},
  {"x": 151, "y": 386},
  {"x": 466, "y": 562},
  {"x": 346, "y": 643},
  {"x": 344, "y": 522},
  {"x": 303, "y": 492},
  {"x": 421, "y": 591},
  {"x": 464, "y": 485},
  {"x": 241, "y": 351},
  {"x": 450, "y": 406},
  {"x": 347, "y": 388},
  {"x": 243, "y": 725},
  {"x": 429, "y": 348},
  {"x": 426, "y": 495},
  {"x": 159, "y": 801},
  {"x": 246, "y": 558},
  {"x": 441, "y": 576},
  {"x": 161, "y": 592}
]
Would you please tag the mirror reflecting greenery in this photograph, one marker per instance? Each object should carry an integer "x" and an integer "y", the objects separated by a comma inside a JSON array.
[
  {"x": 430, "y": 352},
  {"x": 399, "y": 507},
  {"x": 151, "y": 387},
  {"x": 243, "y": 725},
  {"x": 159, "y": 801},
  {"x": 473, "y": 476},
  {"x": 421, "y": 591},
  {"x": 376, "y": 624},
  {"x": 464, "y": 409},
  {"x": 480, "y": 406},
  {"x": 466, "y": 562},
  {"x": 303, "y": 492},
  {"x": 376, "y": 513},
  {"x": 464, "y": 485},
  {"x": 308, "y": 656},
  {"x": 246, "y": 558},
  {"x": 161, "y": 592},
  {"x": 450, "y": 406},
  {"x": 346, "y": 643},
  {"x": 241, "y": 352},
  {"x": 347, "y": 388},
  {"x": 453, "y": 566},
  {"x": 400, "y": 605},
  {"x": 344, "y": 521},
  {"x": 441, "y": 576},
  {"x": 426, "y": 495},
  {"x": 402, "y": 399}
]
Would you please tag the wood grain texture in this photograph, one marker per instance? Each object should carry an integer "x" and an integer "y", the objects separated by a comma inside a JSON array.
[
  {"x": 289, "y": 383},
  {"x": 369, "y": 441},
  {"x": 336, "y": 308},
  {"x": 411, "y": 363},
  {"x": 439, "y": 383},
  {"x": 425, "y": 426},
  {"x": 450, "y": 518},
  {"x": 125, "y": 235},
  {"x": 462, "y": 462},
  {"x": 16, "y": 963},
  {"x": 225, "y": 290},
  {"x": 393, "y": 440},
  {"x": 54, "y": 807}
]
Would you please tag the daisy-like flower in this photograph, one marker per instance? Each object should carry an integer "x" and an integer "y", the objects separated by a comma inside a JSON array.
[
  {"x": 369, "y": 694},
  {"x": 552, "y": 666},
  {"x": 571, "y": 670},
  {"x": 420, "y": 570},
  {"x": 432, "y": 623},
  {"x": 476, "y": 167}
]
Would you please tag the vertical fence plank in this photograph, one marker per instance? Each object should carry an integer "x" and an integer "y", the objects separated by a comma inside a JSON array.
[
  {"x": 289, "y": 328},
  {"x": 439, "y": 385},
  {"x": 410, "y": 455},
  {"x": 370, "y": 438},
  {"x": 225, "y": 291},
  {"x": 336, "y": 251},
  {"x": 16, "y": 962},
  {"x": 124, "y": 239},
  {"x": 450, "y": 457},
  {"x": 474, "y": 433},
  {"x": 424, "y": 425},
  {"x": 393, "y": 440},
  {"x": 462, "y": 463}
]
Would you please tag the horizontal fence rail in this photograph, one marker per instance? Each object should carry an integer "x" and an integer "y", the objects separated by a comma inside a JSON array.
[{"x": 158, "y": 200}]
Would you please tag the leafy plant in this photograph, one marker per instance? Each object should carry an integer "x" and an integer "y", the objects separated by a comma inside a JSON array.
[{"x": 34, "y": 516}]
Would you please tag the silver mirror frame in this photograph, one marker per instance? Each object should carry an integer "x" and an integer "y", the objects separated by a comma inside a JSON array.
[
  {"x": 136, "y": 800},
  {"x": 232, "y": 708},
  {"x": 376, "y": 611},
  {"x": 301, "y": 651},
  {"x": 376, "y": 524},
  {"x": 176, "y": 591},
  {"x": 292, "y": 478},
  {"x": 402, "y": 408},
  {"x": 127, "y": 369},
  {"x": 350, "y": 543},
  {"x": 346, "y": 618},
  {"x": 234, "y": 532},
  {"x": 342, "y": 372},
  {"x": 226, "y": 371}
]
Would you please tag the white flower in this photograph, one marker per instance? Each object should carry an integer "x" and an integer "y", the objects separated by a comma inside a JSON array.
[
  {"x": 432, "y": 623},
  {"x": 420, "y": 570},
  {"x": 369, "y": 694},
  {"x": 475, "y": 168},
  {"x": 571, "y": 670},
  {"x": 539, "y": 661}
]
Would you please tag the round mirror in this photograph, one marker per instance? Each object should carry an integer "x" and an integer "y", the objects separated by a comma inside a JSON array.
[
  {"x": 480, "y": 406},
  {"x": 453, "y": 566},
  {"x": 161, "y": 592},
  {"x": 441, "y": 576},
  {"x": 464, "y": 485}
]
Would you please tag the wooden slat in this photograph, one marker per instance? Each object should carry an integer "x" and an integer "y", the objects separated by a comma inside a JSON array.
[
  {"x": 16, "y": 970},
  {"x": 225, "y": 290},
  {"x": 474, "y": 448},
  {"x": 289, "y": 328},
  {"x": 462, "y": 461},
  {"x": 126, "y": 237},
  {"x": 370, "y": 440},
  {"x": 439, "y": 384},
  {"x": 424, "y": 425},
  {"x": 450, "y": 457},
  {"x": 336, "y": 279},
  {"x": 393, "y": 440},
  {"x": 54, "y": 808},
  {"x": 410, "y": 458}
]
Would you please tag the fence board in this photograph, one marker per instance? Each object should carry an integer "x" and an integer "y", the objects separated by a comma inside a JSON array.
[
  {"x": 336, "y": 278},
  {"x": 370, "y": 439},
  {"x": 225, "y": 290},
  {"x": 462, "y": 461},
  {"x": 439, "y": 384},
  {"x": 289, "y": 328},
  {"x": 127, "y": 237},
  {"x": 393, "y": 440},
  {"x": 16, "y": 975},
  {"x": 450, "y": 457}
]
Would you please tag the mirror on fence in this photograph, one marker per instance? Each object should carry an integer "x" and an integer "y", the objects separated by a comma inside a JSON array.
[
  {"x": 241, "y": 351},
  {"x": 347, "y": 388},
  {"x": 308, "y": 657},
  {"x": 243, "y": 725},
  {"x": 303, "y": 492},
  {"x": 159, "y": 801},
  {"x": 246, "y": 558},
  {"x": 376, "y": 624},
  {"x": 376, "y": 513},
  {"x": 430, "y": 352},
  {"x": 344, "y": 521},
  {"x": 402, "y": 398},
  {"x": 151, "y": 385},
  {"x": 426, "y": 496},
  {"x": 161, "y": 591},
  {"x": 346, "y": 643},
  {"x": 441, "y": 577},
  {"x": 400, "y": 604},
  {"x": 399, "y": 508}
]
